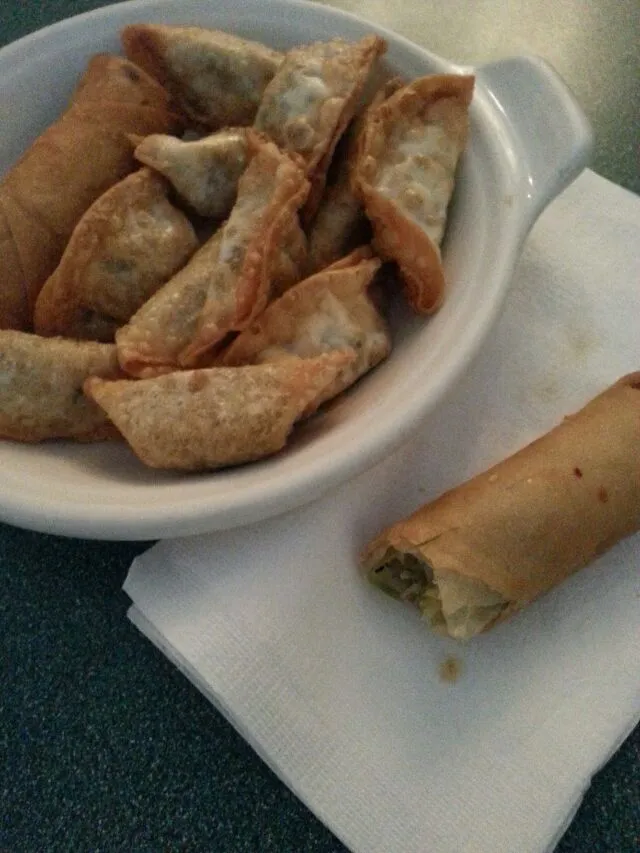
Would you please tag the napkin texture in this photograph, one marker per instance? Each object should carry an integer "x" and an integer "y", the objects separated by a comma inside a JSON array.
[{"x": 337, "y": 687}]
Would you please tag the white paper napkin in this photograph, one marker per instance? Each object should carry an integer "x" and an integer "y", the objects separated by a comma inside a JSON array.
[{"x": 337, "y": 686}]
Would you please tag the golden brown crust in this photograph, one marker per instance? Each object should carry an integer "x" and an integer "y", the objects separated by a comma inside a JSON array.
[
  {"x": 21, "y": 266},
  {"x": 289, "y": 259},
  {"x": 311, "y": 100},
  {"x": 407, "y": 156},
  {"x": 204, "y": 172},
  {"x": 41, "y": 387},
  {"x": 528, "y": 523},
  {"x": 227, "y": 416},
  {"x": 14, "y": 311},
  {"x": 150, "y": 343},
  {"x": 127, "y": 245},
  {"x": 270, "y": 193},
  {"x": 67, "y": 168},
  {"x": 340, "y": 223},
  {"x": 329, "y": 311},
  {"x": 111, "y": 79},
  {"x": 216, "y": 78}
]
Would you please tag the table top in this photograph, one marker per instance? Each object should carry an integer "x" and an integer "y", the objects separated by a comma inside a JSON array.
[{"x": 106, "y": 747}]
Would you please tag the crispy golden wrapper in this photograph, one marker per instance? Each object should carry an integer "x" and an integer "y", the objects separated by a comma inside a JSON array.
[
  {"x": 204, "y": 172},
  {"x": 311, "y": 100},
  {"x": 66, "y": 169},
  {"x": 216, "y": 78},
  {"x": 329, "y": 311},
  {"x": 484, "y": 550},
  {"x": 289, "y": 260},
  {"x": 156, "y": 336},
  {"x": 270, "y": 193},
  {"x": 150, "y": 343},
  {"x": 211, "y": 418},
  {"x": 340, "y": 224},
  {"x": 41, "y": 387},
  {"x": 126, "y": 246},
  {"x": 407, "y": 158}
]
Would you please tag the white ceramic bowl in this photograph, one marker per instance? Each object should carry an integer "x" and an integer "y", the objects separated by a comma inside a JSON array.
[{"x": 528, "y": 140}]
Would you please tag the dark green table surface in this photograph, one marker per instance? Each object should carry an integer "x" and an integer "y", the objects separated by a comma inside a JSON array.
[{"x": 104, "y": 746}]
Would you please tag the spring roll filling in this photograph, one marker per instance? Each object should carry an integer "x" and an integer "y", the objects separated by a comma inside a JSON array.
[{"x": 453, "y": 605}]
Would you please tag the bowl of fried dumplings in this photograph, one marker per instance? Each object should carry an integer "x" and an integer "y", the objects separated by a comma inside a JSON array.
[{"x": 245, "y": 252}]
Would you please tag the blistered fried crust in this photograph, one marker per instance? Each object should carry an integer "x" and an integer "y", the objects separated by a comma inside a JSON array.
[
  {"x": 311, "y": 100},
  {"x": 486, "y": 549},
  {"x": 150, "y": 343},
  {"x": 340, "y": 223},
  {"x": 126, "y": 246},
  {"x": 41, "y": 387},
  {"x": 407, "y": 158},
  {"x": 204, "y": 172},
  {"x": 270, "y": 193},
  {"x": 215, "y": 417},
  {"x": 289, "y": 258},
  {"x": 157, "y": 336},
  {"x": 66, "y": 169},
  {"x": 329, "y": 311},
  {"x": 216, "y": 78}
]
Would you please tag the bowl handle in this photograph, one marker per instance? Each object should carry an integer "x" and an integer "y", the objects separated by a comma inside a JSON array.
[{"x": 554, "y": 135}]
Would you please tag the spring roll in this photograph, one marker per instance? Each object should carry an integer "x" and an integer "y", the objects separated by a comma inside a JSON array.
[
  {"x": 483, "y": 551},
  {"x": 66, "y": 169},
  {"x": 204, "y": 172},
  {"x": 216, "y": 78},
  {"x": 407, "y": 159},
  {"x": 41, "y": 387},
  {"x": 125, "y": 247},
  {"x": 215, "y": 417}
]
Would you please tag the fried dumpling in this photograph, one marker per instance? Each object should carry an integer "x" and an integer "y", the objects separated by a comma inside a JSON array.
[
  {"x": 41, "y": 393},
  {"x": 150, "y": 343},
  {"x": 339, "y": 225},
  {"x": 204, "y": 172},
  {"x": 66, "y": 169},
  {"x": 407, "y": 159},
  {"x": 126, "y": 246},
  {"x": 289, "y": 260},
  {"x": 204, "y": 419},
  {"x": 330, "y": 311},
  {"x": 311, "y": 100},
  {"x": 270, "y": 193},
  {"x": 216, "y": 78},
  {"x": 154, "y": 339}
]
